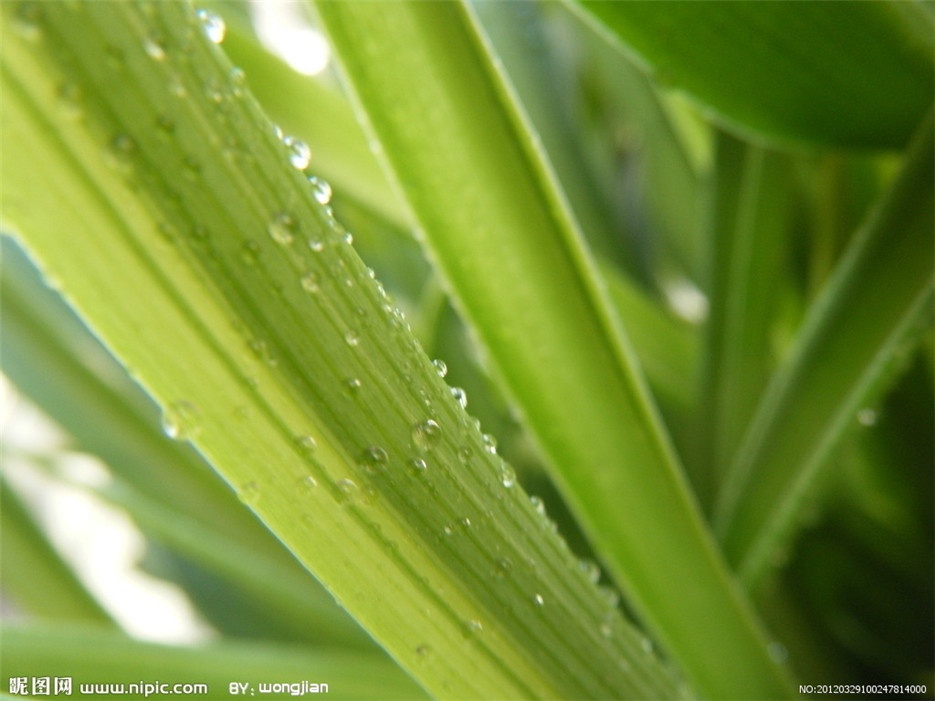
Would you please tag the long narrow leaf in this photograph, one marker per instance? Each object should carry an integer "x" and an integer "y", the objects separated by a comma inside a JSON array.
[
  {"x": 747, "y": 233},
  {"x": 147, "y": 182},
  {"x": 849, "y": 336},
  {"x": 856, "y": 74},
  {"x": 496, "y": 225}
]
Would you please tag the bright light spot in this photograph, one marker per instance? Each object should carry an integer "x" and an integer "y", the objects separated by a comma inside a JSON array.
[
  {"x": 686, "y": 300},
  {"x": 101, "y": 544},
  {"x": 284, "y": 31}
]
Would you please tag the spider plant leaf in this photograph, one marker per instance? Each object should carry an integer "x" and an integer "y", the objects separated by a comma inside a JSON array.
[
  {"x": 747, "y": 234},
  {"x": 850, "y": 335},
  {"x": 842, "y": 74},
  {"x": 495, "y": 222},
  {"x": 154, "y": 193}
]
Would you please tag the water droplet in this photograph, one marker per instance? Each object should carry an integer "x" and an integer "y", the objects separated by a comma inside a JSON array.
[
  {"x": 503, "y": 567},
  {"x": 121, "y": 149},
  {"x": 69, "y": 96},
  {"x": 538, "y": 505},
  {"x": 590, "y": 569},
  {"x": 261, "y": 351},
  {"x": 317, "y": 245},
  {"x": 507, "y": 475},
  {"x": 306, "y": 443},
  {"x": 250, "y": 252},
  {"x": 867, "y": 417},
  {"x": 282, "y": 228},
  {"x": 28, "y": 20},
  {"x": 155, "y": 47},
  {"x": 440, "y": 367},
  {"x": 490, "y": 443},
  {"x": 423, "y": 651},
  {"x": 538, "y": 600},
  {"x": 352, "y": 385},
  {"x": 471, "y": 628},
  {"x": 465, "y": 453},
  {"x": 299, "y": 152},
  {"x": 310, "y": 282},
  {"x": 181, "y": 420},
  {"x": 321, "y": 189},
  {"x": 249, "y": 493},
  {"x": 214, "y": 91},
  {"x": 647, "y": 645},
  {"x": 418, "y": 465},
  {"x": 309, "y": 483},
  {"x": 426, "y": 434},
  {"x": 778, "y": 652},
  {"x": 351, "y": 338},
  {"x": 610, "y": 596},
  {"x": 213, "y": 26},
  {"x": 238, "y": 78},
  {"x": 347, "y": 490},
  {"x": 348, "y": 238},
  {"x": 460, "y": 396},
  {"x": 165, "y": 125},
  {"x": 373, "y": 459}
]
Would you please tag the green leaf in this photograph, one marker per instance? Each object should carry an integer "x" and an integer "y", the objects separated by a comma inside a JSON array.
[
  {"x": 844, "y": 74},
  {"x": 747, "y": 234},
  {"x": 496, "y": 224},
  {"x": 92, "y": 656},
  {"x": 847, "y": 340},
  {"x": 152, "y": 190}
]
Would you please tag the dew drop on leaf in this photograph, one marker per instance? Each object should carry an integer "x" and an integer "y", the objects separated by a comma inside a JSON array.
[
  {"x": 503, "y": 567},
  {"x": 351, "y": 338},
  {"x": 155, "y": 47},
  {"x": 306, "y": 443},
  {"x": 507, "y": 475},
  {"x": 281, "y": 228},
  {"x": 490, "y": 443},
  {"x": 590, "y": 569},
  {"x": 69, "y": 97},
  {"x": 426, "y": 434},
  {"x": 352, "y": 384},
  {"x": 418, "y": 465},
  {"x": 317, "y": 245},
  {"x": 373, "y": 459},
  {"x": 213, "y": 26},
  {"x": 472, "y": 628},
  {"x": 28, "y": 20},
  {"x": 347, "y": 490},
  {"x": 299, "y": 152},
  {"x": 440, "y": 367},
  {"x": 181, "y": 420},
  {"x": 310, "y": 282},
  {"x": 460, "y": 396},
  {"x": 538, "y": 505},
  {"x": 321, "y": 189},
  {"x": 249, "y": 493},
  {"x": 309, "y": 483},
  {"x": 538, "y": 600}
]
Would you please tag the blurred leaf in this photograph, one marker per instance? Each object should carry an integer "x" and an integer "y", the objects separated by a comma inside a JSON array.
[
  {"x": 876, "y": 293},
  {"x": 843, "y": 74},
  {"x": 495, "y": 221}
]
